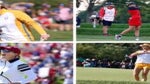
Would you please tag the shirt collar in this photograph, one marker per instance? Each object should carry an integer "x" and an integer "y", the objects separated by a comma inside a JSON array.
[{"x": 13, "y": 60}]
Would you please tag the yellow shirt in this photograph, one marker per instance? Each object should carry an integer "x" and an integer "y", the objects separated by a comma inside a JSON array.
[{"x": 12, "y": 28}]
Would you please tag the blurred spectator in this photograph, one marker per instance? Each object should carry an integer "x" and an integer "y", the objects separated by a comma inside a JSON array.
[
  {"x": 24, "y": 6},
  {"x": 68, "y": 74},
  {"x": 44, "y": 18},
  {"x": 64, "y": 17},
  {"x": 123, "y": 65},
  {"x": 46, "y": 22},
  {"x": 105, "y": 63},
  {"x": 93, "y": 63},
  {"x": 86, "y": 63}
]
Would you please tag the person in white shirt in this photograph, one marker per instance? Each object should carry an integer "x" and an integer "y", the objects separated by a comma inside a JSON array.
[
  {"x": 12, "y": 69},
  {"x": 107, "y": 15},
  {"x": 142, "y": 62},
  {"x": 84, "y": 4},
  {"x": 68, "y": 73}
]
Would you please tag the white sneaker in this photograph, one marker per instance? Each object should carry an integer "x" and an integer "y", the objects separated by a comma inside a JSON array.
[
  {"x": 142, "y": 80},
  {"x": 118, "y": 37}
]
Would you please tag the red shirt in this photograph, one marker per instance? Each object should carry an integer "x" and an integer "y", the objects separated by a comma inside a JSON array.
[
  {"x": 135, "y": 19},
  {"x": 44, "y": 20},
  {"x": 134, "y": 12}
]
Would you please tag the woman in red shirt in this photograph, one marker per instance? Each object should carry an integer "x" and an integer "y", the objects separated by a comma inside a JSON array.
[{"x": 134, "y": 21}]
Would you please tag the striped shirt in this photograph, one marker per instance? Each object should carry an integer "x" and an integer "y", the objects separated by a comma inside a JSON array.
[{"x": 16, "y": 72}]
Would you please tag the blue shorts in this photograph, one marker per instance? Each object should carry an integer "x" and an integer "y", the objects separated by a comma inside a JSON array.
[{"x": 106, "y": 23}]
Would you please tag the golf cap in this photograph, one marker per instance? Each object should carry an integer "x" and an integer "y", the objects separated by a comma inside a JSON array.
[
  {"x": 130, "y": 3},
  {"x": 12, "y": 49},
  {"x": 109, "y": 4}
]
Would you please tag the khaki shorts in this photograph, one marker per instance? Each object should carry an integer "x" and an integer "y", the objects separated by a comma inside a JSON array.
[{"x": 142, "y": 65}]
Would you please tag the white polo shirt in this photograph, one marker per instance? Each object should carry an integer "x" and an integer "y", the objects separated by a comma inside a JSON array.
[
  {"x": 143, "y": 58},
  {"x": 109, "y": 14}
]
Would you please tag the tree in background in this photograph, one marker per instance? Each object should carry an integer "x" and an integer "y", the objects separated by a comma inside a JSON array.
[{"x": 105, "y": 50}]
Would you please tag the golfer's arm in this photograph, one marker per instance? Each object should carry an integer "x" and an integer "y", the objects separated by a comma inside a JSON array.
[
  {"x": 28, "y": 21},
  {"x": 133, "y": 54},
  {"x": 136, "y": 53}
]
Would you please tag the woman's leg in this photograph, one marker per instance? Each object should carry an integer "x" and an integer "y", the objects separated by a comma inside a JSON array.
[
  {"x": 54, "y": 26},
  {"x": 137, "y": 31},
  {"x": 127, "y": 30},
  {"x": 136, "y": 73},
  {"x": 105, "y": 30},
  {"x": 145, "y": 73},
  {"x": 118, "y": 36}
]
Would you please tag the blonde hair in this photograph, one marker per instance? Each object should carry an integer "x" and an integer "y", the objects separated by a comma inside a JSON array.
[{"x": 145, "y": 46}]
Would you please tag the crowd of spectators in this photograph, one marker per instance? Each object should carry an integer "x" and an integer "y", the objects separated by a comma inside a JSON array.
[
  {"x": 52, "y": 62},
  {"x": 59, "y": 19},
  {"x": 127, "y": 63}
]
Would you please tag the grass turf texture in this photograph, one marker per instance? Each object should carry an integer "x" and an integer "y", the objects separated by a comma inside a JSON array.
[
  {"x": 106, "y": 76},
  {"x": 87, "y": 33},
  {"x": 55, "y": 35}
]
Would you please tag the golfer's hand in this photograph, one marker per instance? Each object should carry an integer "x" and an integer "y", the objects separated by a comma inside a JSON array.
[
  {"x": 130, "y": 57},
  {"x": 45, "y": 36}
]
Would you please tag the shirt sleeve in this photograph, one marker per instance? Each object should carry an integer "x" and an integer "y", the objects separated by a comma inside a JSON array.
[
  {"x": 101, "y": 13},
  {"x": 29, "y": 22}
]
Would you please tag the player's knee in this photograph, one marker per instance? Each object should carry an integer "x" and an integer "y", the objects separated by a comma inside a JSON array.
[{"x": 137, "y": 29}]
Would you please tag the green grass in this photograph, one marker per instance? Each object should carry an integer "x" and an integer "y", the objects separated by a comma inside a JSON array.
[
  {"x": 108, "y": 82},
  {"x": 87, "y": 33},
  {"x": 105, "y": 76},
  {"x": 56, "y": 35},
  {"x": 109, "y": 38}
]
